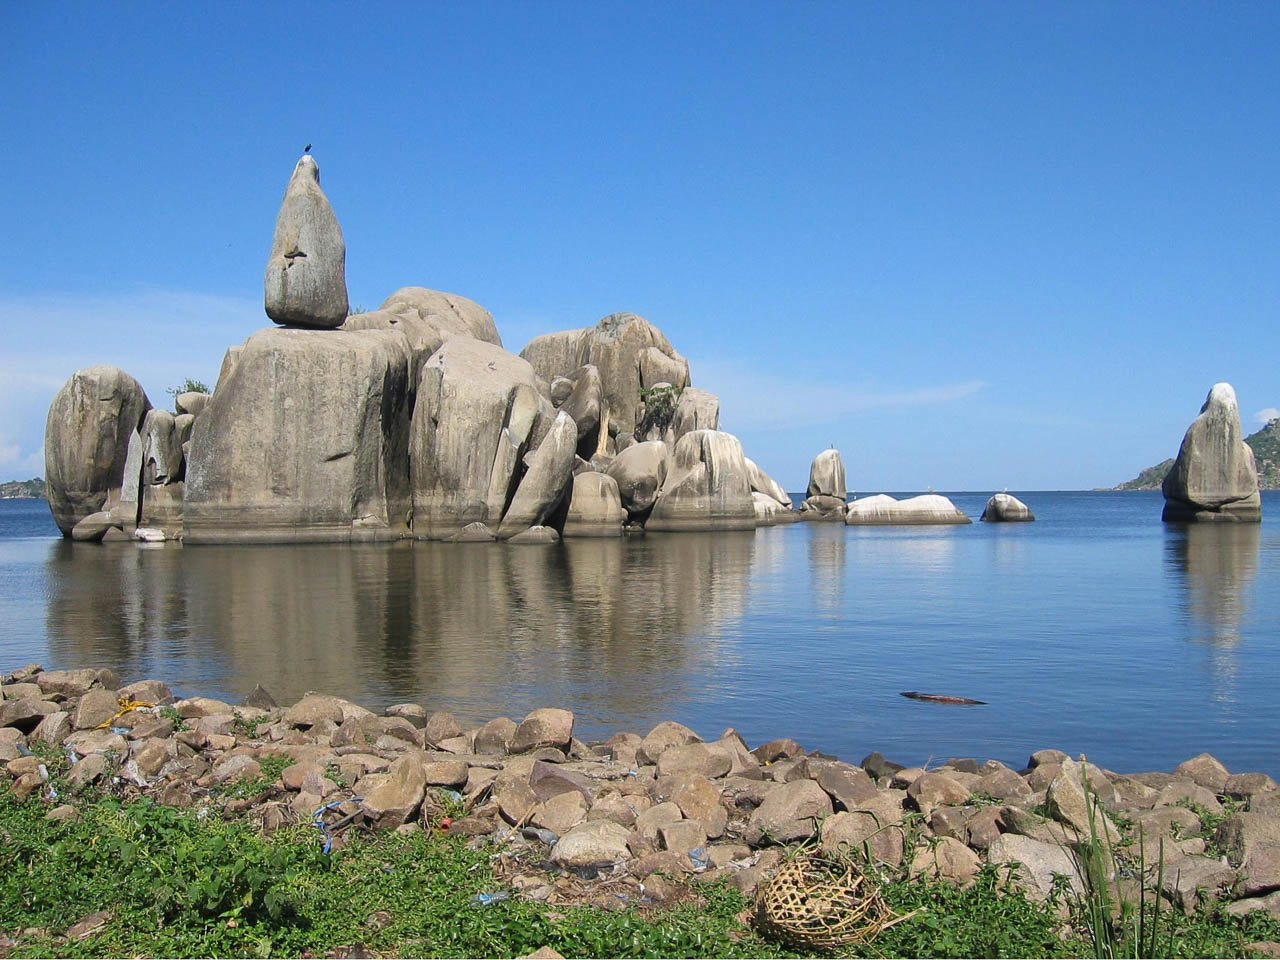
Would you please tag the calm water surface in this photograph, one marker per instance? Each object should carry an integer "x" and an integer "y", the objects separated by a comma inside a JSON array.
[{"x": 1096, "y": 629}]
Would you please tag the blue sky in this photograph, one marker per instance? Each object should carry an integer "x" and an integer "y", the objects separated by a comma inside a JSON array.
[{"x": 974, "y": 246}]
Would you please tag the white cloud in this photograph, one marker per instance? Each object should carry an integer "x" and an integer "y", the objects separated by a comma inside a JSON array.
[
  {"x": 754, "y": 399},
  {"x": 1266, "y": 415}
]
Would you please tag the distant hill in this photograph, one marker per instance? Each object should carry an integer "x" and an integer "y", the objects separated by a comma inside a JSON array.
[
  {"x": 1266, "y": 451},
  {"x": 32, "y": 489}
]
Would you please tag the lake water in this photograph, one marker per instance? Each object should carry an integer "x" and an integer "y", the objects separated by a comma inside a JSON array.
[{"x": 1097, "y": 629}]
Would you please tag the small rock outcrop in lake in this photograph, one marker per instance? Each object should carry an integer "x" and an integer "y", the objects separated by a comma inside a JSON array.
[
  {"x": 1214, "y": 476},
  {"x": 707, "y": 486},
  {"x": 306, "y": 278},
  {"x": 884, "y": 510},
  {"x": 91, "y": 423},
  {"x": 305, "y": 439},
  {"x": 826, "y": 494},
  {"x": 1006, "y": 508}
]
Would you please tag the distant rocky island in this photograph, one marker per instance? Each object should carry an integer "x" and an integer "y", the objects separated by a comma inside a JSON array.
[
  {"x": 1266, "y": 451},
  {"x": 32, "y": 489}
]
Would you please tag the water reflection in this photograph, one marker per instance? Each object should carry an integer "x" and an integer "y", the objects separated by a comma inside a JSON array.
[
  {"x": 616, "y": 628},
  {"x": 1217, "y": 563},
  {"x": 827, "y": 545}
]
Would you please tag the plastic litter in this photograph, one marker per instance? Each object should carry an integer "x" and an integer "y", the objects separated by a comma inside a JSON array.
[
  {"x": 700, "y": 859},
  {"x": 489, "y": 899},
  {"x": 538, "y": 833},
  {"x": 22, "y": 749},
  {"x": 326, "y": 829}
]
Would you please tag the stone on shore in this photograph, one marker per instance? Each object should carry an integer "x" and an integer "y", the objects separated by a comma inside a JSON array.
[
  {"x": 86, "y": 442},
  {"x": 305, "y": 440},
  {"x": 707, "y": 487},
  {"x": 884, "y": 510},
  {"x": 306, "y": 277},
  {"x": 1214, "y": 476},
  {"x": 1006, "y": 508}
]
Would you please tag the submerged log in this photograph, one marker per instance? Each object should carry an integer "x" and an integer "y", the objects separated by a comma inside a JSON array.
[{"x": 940, "y": 698}]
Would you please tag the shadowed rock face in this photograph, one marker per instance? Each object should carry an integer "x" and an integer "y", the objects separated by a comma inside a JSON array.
[
  {"x": 1214, "y": 476},
  {"x": 707, "y": 487},
  {"x": 306, "y": 278},
  {"x": 87, "y": 435},
  {"x": 306, "y": 438}
]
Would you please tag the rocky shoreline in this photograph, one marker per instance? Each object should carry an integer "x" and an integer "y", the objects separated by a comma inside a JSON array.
[{"x": 635, "y": 812}]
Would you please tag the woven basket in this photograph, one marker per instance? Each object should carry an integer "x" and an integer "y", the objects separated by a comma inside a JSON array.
[{"x": 814, "y": 903}]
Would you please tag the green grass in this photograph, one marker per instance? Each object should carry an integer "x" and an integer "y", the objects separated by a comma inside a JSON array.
[{"x": 186, "y": 883}]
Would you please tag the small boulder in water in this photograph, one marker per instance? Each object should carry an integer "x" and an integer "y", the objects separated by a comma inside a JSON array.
[
  {"x": 1215, "y": 476},
  {"x": 884, "y": 510},
  {"x": 1006, "y": 508}
]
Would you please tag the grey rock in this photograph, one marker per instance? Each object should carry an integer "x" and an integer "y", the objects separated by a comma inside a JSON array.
[
  {"x": 657, "y": 367},
  {"x": 478, "y": 413},
  {"x": 495, "y": 736},
  {"x": 1006, "y": 508},
  {"x": 820, "y": 506},
  {"x": 1034, "y": 864},
  {"x": 1205, "y": 770},
  {"x": 595, "y": 507},
  {"x": 161, "y": 449},
  {"x": 640, "y": 471},
  {"x": 93, "y": 708},
  {"x": 826, "y": 476},
  {"x": 548, "y": 727},
  {"x": 473, "y": 533},
  {"x": 590, "y": 844},
  {"x": 585, "y": 404},
  {"x": 1191, "y": 880},
  {"x": 91, "y": 528},
  {"x": 86, "y": 442},
  {"x": 931, "y": 508},
  {"x": 764, "y": 484},
  {"x": 695, "y": 410},
  {"x": 661, "y": 738},
  {"x": 306, "y": 277},
  {"x": 536, "y": 534},
  {"x": 770, "y": 512},
  {"x": 25, "y": 714},
  {"x": 192, "y": 402},
  {"x": 1214, "y": 476},
  {"x": 544, "y": 485},
  {"x": 449, "y": 313},
  {"x": 397, "y": 798},
  {"x": 306, "y": 440},
  {"x": 707, "y": 487},
  {"x": 790, "y": 812}
]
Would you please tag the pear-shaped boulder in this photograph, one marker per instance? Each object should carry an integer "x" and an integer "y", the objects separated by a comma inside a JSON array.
[{"x": 306, "y": 279}]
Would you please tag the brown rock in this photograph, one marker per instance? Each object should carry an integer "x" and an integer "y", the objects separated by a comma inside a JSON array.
[
  {"x": 147, "y": 691},
  {"x": 932, "y": 790},
  {"x": 594, "y": 843},
  {"x": 238, "y": 769},
  {"x": 560, "y": 813},
  {"x": 615, "y": 808},
  {"x": 398, "y": 797},
  {"x": 790, "y": 812},
  {"x": 665, "y": 735},
  {"x": 53, "y": 728},
  {"x": 682, "y": 836},
  {"x": 89, "y": 770},
  {"x": 776, "y": 750},
  {"x": 85, "y": 742},
  {"x": 194, "y": 707},
  {"x": 548, "y": 780},
  {"x": 1186, "y": 790},
  {"x": 445, "y": 773},
  {"x": 515, "y": 798},
  {"x": 863, "y": 834},
  {"x": 68, "y": 683},
  {"x": 694, "y": 759},
  {"x": 89, "y": 926},
  {"x": 547, "y": 727},
  {"x": 25, "y": 715},
  {"x": 982, "y": 828},
  {"x": 495, "y": 736},
  {"x": 1003, "y": 784},
  {"x": 440, "y": 726},
  {"x": 1035, "y": 865},
  {"x": 698, "y": 799},
  {"x": 152, "y": 755},
  {"x": 946, "y": 859},
  {"x": 846, "y": 784},
  {"x": 65, "y": 813},
  {"x": 1205, "y": 770},
  {"x": 649, "y": 821},
  {"x": 1191, "y": 880},
  {"x": 1242, "y": 786},
  {"x": 311, "y": 710},
  {"x": 292, "y": 776},
  {"x": 415, "y": 713}
]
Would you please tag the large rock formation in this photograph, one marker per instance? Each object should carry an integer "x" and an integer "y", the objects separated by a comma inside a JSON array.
[
  {"x": 884, "y": 510},
  {"x": 695, "y": 410},
  {"x": 91, "y": 423},
  {"x": 707, "y": 487},
  {"x": 761, "y": 482},
  {"x": 306, "y": 278},
  {"x": 305, "y": 438},
  {"x": 1214, "y": 476},
  {"x": 478, "y": 413},
  {"x": 1006, "y": 508}
]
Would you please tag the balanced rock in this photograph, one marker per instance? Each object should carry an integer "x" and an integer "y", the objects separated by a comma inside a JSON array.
[
  {"x": 707, "y": 488},
  {"x": 930, "y": 508},
  {"x": 595, "y": 507},
  {"x": 91, "y": 423},
  {"x": 306, "y": 278},
  {"x": 640, "y": 471},
  {"x": 826, "y": 476},
  {"x": 1006, "y": 508},
  {"x": 478, "y": 412},
  {"x": 192, "y": 402},
  {"x": 1214, "y": 476},
  {"x": 305, "y": 439}
]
